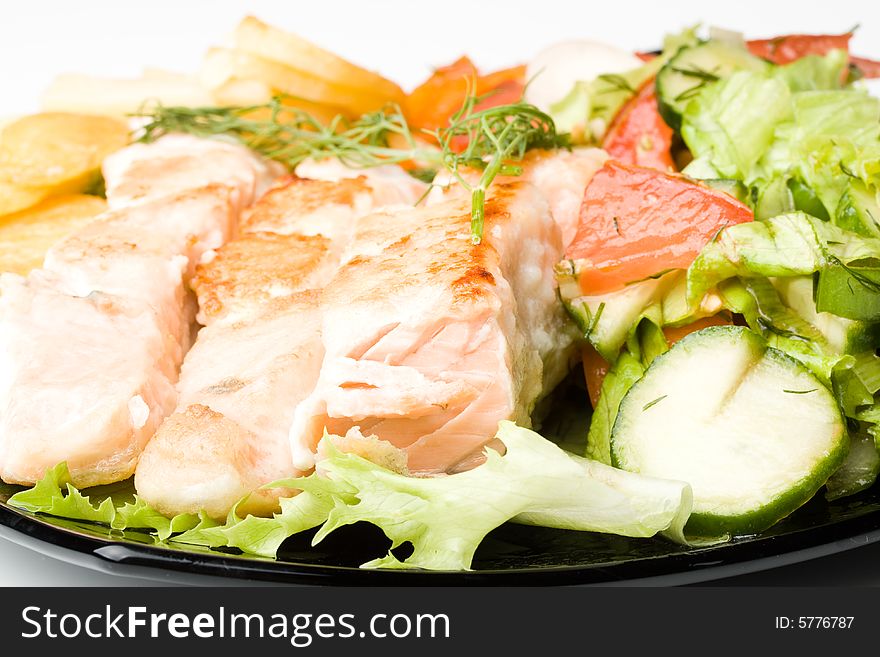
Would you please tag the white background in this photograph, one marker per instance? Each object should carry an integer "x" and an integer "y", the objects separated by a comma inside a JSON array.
[{"x": 401, "y": 39}]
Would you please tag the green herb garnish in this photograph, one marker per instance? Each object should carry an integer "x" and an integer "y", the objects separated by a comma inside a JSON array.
[
  {"x": 490, "y": 140},
  {"x": 653, "y": 402}
]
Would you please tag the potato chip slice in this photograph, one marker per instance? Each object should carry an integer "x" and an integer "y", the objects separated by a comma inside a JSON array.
[
  {"x": 53, "y": 148},
  {"x": 26, "y": 236},
  {"x": 15, "y": 197}
]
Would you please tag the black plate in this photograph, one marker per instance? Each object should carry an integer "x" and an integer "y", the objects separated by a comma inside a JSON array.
[{"x": 511, "y": 555}]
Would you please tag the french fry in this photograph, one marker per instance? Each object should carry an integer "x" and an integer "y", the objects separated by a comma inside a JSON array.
[
  {"x": 26, "y": 236},
  {"x": 257, "y": 38},
  {"x": 254, "y": 92},
  {"x": 242, "y": 92},
  {"x": 222, "y": 65},
  {"x": 55, "y": 149},
  {"x": 116, "y": 97}
]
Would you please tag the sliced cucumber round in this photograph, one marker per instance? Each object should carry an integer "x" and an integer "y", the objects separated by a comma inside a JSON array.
[
  {"x": 751, "y": 429},
  {"x": 844, "y": 336},
  {"x": 682, "y": 77}
]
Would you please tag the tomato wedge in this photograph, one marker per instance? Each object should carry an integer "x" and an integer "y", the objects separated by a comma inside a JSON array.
[
  {"x": 639, "y": 135},
  {"x": 637, "y": 222},
  {"x": 596, "y": 367},
  {"x": 869, "y": 67},
  {"x": 432, "y": 103},
  {"x": 786, "y": 49}
]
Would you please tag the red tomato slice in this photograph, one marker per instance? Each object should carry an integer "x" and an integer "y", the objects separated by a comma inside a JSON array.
[
  {"x": 868, "y": 67},
  {"x": 637, "y": 222},
  {"x": 596, "y": 367},
  {"x": 786, "y": 49},
  {"x": 639, "y": 135}
]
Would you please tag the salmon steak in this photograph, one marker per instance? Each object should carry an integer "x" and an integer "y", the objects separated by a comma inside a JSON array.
[
  {"x": 260, "y": 352},
  {"x": 431, "y": 340}
]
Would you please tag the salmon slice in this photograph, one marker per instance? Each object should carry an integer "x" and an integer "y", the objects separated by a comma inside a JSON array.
[
  {"x": 147, "y": 252},
  {"x": 293, "y": 239},
  {"x": 177, "y": 163},
  {"x": 390, "y": 184},
  {"x": 239, "y": 386},
  {"x": 94, "y": 340},
  {"x": 260, "y": 352},
  {"x": 86, "y": 380},
  {"x": 246, "y": 274},
  {"x": 562, "y": 176},
  {"x": 430, "y": 341}
]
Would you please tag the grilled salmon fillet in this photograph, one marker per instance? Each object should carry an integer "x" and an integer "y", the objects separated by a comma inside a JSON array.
[
  {"x": 86, "y": 380},
  {"x": 430, "y": 340},
  {"x": 293, "y": 239},
  {"x": 390, "y": 184},
  {"x": 239, "y": 386},
  {"x": 260, "y": 352},
  {"x": 147, "y": 253},
  {"x": 562, "y": 176},
  {"x": 93, "y": 342},
  {"x": 177, "y": 163}
]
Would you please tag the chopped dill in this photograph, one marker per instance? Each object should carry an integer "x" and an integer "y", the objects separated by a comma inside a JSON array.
[
  {"x": 595, "y": 320},
  {"x": 616, "y": 83},
  {"x": 654, "y": 402}
]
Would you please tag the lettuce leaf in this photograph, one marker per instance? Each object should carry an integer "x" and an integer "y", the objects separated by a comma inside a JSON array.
[
  {"x": 795, "y": 127},
  {"x": 793, "y": 244},
  {"x": 54, "y": 495},
  {"x": 732, "y": 122},
  {"x": 535, "y": 482},
  {"x": 815, "y": 72},
  {"x": 835, "y": 137},
  {"x": 445, "y": 518}
]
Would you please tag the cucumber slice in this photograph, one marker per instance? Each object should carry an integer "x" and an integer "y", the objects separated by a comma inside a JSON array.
[
  {"x": 682, "y": 77},
  {"x": 806, "y": 200},
  {"x": 858, "y": 472},
  {"x": 859, "y": 210},
  {"x": 606, "y": 320},
  {"x": 775, "y": 199},
  {"x": 751, "y": 429},
  {"x": 850, "y": 291},
  {"x": 844, "y": 336}
]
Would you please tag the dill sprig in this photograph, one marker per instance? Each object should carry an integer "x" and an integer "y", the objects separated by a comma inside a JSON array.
[
  {"x": 495, "y": 139},
  {"x": 290, "y": 136}
]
